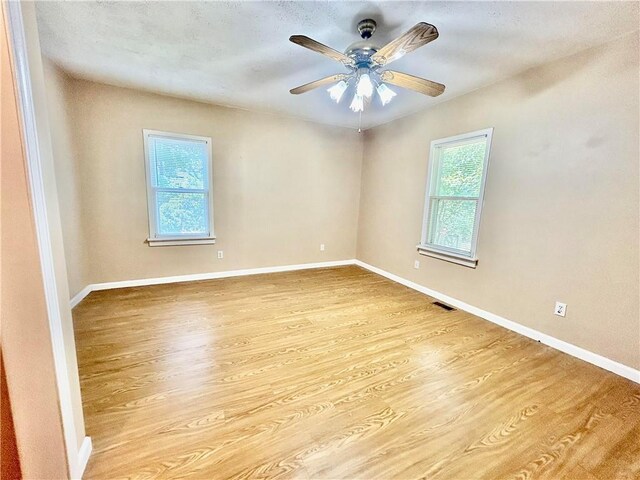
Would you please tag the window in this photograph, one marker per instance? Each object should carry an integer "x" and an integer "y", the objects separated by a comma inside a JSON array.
[
  {"x": 455, "y": 187},
  {"x": 179, "y": 194}
]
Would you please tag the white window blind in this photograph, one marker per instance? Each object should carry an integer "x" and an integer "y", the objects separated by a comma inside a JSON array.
[
  {"x": 455, "y": 189},
  {"x": 178, "y": 188}
]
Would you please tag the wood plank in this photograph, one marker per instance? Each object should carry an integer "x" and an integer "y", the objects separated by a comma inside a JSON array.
[{"x": 335, "y": 373}]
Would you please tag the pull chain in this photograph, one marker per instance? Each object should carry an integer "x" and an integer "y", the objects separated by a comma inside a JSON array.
[{"x": 360, "y": 122}]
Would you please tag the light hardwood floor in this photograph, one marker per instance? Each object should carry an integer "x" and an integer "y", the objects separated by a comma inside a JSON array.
[{"x": 336, "y": 374}]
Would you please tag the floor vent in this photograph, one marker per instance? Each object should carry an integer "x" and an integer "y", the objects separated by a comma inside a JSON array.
[{"x": 444, "y": 305}]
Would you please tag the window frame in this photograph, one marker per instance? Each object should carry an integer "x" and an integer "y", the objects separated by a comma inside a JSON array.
[
  {"x": 155, "y": 239},
  {"x": 437, "y": 251}
]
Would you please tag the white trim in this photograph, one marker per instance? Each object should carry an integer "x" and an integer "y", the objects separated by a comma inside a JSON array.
[
  {"x": 152, "y": 206},
  {"x": 78, "y": 297},
  {"x": 27, "y": 108},
  {"x": 84, "y": 453},
  {"x": 203, "y": 276},
  {"x": 434, "y": 163},
  {"x": 573, "y": 350},
  {"x": 167, "y": 242},
  {"x": 429, "y": 252}
]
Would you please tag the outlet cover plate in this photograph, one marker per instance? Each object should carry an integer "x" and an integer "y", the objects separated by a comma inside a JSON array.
[{"x": 561, "y": 309}]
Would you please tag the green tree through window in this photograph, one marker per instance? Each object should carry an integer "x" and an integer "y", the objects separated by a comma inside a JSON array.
[
  {"x": 455, "y": 189},
  {"x": 179, "y": 193}
]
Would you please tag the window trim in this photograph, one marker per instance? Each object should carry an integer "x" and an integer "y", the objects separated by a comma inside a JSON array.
[
  {"x": 445, "y": 253},
  {"x": 153, "y": 239}
]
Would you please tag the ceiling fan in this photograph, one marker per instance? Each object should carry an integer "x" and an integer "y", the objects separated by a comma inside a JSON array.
[{"x": 367, "y": 65}]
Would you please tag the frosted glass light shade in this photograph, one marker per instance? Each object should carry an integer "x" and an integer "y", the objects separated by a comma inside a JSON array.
[
  {"x": 364, "y": 87},
  {"x": 357, "y": 104},
  {"x": 336, "y": 91},
  {"x": 386, "y": 94}
]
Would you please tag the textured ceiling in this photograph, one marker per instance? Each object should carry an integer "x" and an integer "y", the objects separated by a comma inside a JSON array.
[{"x": 238, "y": 53}]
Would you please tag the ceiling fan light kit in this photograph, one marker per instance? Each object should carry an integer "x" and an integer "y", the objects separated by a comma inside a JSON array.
[{"x": 366, "y": 64}]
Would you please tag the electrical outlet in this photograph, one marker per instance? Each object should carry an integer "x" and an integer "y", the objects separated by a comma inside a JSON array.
[
  {"x": 220, "y": 254},
  {"x": 322, "y": 247},
  {"x": 561, "y": 309},
  {"x": 416, "y": 264}
]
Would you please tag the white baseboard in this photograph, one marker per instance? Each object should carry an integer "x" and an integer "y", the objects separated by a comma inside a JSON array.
[
  {"x": 76, "y": 299},
  {"x": 573, "y": 350},
  {"x": 83, "y": 458}
]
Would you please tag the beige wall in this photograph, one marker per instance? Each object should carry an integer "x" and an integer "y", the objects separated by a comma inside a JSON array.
[
  {"x": 26, "y": 340},
  {"x": 67, "y": 171},
  {"x": 560, "y": 219},
  {"x": 561, "y": 208},
  {"x": 281, "y": 186}
]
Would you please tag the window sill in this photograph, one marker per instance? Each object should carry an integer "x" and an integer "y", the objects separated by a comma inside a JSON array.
[
  {"x": 168, "y": 242},
  {"x": 448, "y": 257}
]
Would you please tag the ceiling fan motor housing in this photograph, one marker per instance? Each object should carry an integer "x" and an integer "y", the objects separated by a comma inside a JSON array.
[{"x": 362, "y": 50}]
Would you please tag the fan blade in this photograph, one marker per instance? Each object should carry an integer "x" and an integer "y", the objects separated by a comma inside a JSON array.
[
  {"x": 318, "y": 83},
  {"x": 311, "y": 44},
  {"x": 418, "y": 84},
  {"x": 416, "y": 37}
]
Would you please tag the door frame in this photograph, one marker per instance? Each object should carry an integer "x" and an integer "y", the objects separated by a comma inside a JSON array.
[{"x": 77, "y": 458}]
